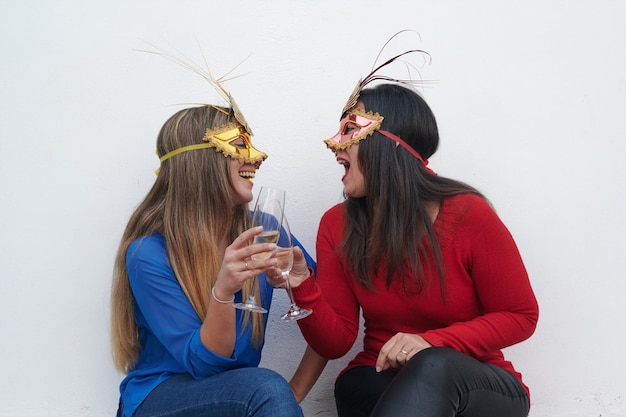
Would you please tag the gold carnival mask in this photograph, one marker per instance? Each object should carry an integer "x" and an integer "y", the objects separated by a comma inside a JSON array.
[{"x": 233, "y": 140}]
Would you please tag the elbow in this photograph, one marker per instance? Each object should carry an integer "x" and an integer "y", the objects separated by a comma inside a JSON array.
[
  {"x": 329, "y": 349},
  {"x": 532, "y": 322},
  {"x": 528, "y": 322}
]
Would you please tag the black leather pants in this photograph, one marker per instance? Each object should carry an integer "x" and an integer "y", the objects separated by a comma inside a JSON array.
[{"x": 436, "y": 382}]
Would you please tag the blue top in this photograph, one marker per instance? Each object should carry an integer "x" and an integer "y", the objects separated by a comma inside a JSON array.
[{"x": 169, "y": 328}]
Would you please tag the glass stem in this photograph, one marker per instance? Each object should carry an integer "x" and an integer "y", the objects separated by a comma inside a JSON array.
[
  {"x": 252, "y": 298},
  {"x": 289, "y": 292}
]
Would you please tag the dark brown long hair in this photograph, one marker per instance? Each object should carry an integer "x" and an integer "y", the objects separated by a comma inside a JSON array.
[
  {"x": 191, "y": 205},
  {"x": 389, "y": 224}
]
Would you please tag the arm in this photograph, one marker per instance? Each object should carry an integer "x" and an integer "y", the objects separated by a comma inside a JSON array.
[
  {"x": 508, "y": 308},
  {"x": 494, "y": 305},
  {"x": 218, "y": 330},
  {"x": 311, "y": 364},
  {"x": 334, "y": 325},
  {"x": 163, "y": 309},
  {"x": 309, "y": 370},
  {"x": 171, "y": 325}
]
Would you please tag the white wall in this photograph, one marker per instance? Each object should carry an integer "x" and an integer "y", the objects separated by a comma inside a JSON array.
[{"x": 530, "y": 102}]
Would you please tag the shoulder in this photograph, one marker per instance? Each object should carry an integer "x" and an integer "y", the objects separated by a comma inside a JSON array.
[
  {"x": 335, "y": 213},
  {"x": 467, "y": 205},
  {"x": 463, "y": 214},
  {"x": 332, "y": 224},
  {"x": 147, "y": 248},
  {"x": 334, "y": 217},
  {"x": 154, "y": 241},
  {"x": 147, "y": 262}
]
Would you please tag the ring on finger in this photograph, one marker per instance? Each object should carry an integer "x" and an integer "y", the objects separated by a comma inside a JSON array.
[{"x": 404, "y": 351}]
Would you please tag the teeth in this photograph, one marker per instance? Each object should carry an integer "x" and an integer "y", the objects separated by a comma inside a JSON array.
[{"x": 246, "y": 174}]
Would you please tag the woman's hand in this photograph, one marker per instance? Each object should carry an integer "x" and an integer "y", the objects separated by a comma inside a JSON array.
[
  {"x": 238, "y": 266},
  {"x": 399, "y": 349},
  {"x": 299, "y": 272}
]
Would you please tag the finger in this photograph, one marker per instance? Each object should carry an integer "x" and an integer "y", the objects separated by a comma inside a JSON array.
[
  {"x": 388, "y": 355},
  {"x": 297, "y": 254},
  {"x": 402, "y": 357},
  {"x": 246, "y": 237},
  {"x": 298, "y": 257},
  {"x": 251, "y": 267},
  {"x": 261, "y": 258},
  {"x": 259, "y": 251},
  {"x": 383, "y": 361},
  {"x": 275, "y": 277},
  {"x": 268, "y": 267},
  {"x": 300, "y": 267},
  {"x": 396, "y": 358}
]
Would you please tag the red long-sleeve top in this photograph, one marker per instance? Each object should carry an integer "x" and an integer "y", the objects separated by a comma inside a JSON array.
[{"x": 488, "y": 304}]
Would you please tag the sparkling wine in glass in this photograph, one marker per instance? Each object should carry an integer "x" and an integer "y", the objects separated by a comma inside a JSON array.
[
  {"x": 284, "y": 257},
  {"x": 270, "y": 236},
  {"x": 268, "y": 212}
]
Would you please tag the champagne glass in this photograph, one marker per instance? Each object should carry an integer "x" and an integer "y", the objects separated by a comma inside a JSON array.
[
  {"x": 284, "y": 257},
  {"x": 268, "y": 212}
]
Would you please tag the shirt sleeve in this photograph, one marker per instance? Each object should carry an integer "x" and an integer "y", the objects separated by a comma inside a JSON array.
[
  {"x": 166, "y": 313},
  {"x": 333, "y": 328},
  {"x": 308, "y": 258},
  {"x": 509, "y": 308}
]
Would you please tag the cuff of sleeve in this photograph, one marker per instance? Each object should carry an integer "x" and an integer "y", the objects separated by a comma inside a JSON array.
[
  {"x": 308, "y": 291},
  {"x": 432, "y": 338},
  {"x": 203, "y": 362}
]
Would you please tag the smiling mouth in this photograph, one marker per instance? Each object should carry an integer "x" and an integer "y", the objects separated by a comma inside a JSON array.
[{"x": 247, "y": 175}]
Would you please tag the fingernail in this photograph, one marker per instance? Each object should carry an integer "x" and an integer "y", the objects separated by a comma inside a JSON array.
[
  {"x": 378, "y": 369},
  {"x": 272, "y": 246}
]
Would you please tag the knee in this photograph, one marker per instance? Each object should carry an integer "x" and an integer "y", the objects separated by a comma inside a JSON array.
[
  {"x": 272, "y": 378},
  {"x": 434, "y": 363},
  {"x": 272, "y": 383},
  {"x": 261, "y": 381},
  {"x": 266, "y": 393},
  {"x": 275, "y": 393}
]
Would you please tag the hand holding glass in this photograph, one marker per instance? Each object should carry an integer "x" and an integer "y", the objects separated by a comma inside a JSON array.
[
  {"x": 268, "y": 212},
  {"x": 284, "y": 257}
]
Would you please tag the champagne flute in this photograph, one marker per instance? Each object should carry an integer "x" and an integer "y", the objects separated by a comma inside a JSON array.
[
  {"x": 268, "y": 212},
  {"x": 284, "y": 257}
]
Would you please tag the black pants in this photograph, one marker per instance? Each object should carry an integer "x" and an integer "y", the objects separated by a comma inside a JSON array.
[{"x": 436, "y": 382}]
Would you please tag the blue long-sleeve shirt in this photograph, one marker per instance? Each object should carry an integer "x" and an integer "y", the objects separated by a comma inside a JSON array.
[{"x": 169, "y": 328}]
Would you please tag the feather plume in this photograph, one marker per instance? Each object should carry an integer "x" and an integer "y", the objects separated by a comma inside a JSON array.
[
  {"x": 205, "y": 72},
  {"x": 375, "y": 76}
]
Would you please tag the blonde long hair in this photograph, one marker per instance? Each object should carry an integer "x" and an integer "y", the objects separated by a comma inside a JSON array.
[{"x": 191, "y": 205}]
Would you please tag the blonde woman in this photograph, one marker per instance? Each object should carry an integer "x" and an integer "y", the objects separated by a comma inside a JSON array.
[{"x": 184, "y": 258}]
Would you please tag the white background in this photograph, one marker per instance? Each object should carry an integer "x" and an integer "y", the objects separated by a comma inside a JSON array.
[{"x": 530, "y": 102}]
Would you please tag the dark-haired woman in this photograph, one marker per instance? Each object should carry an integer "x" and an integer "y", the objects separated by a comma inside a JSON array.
[{"x": 434, "y": 272}]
